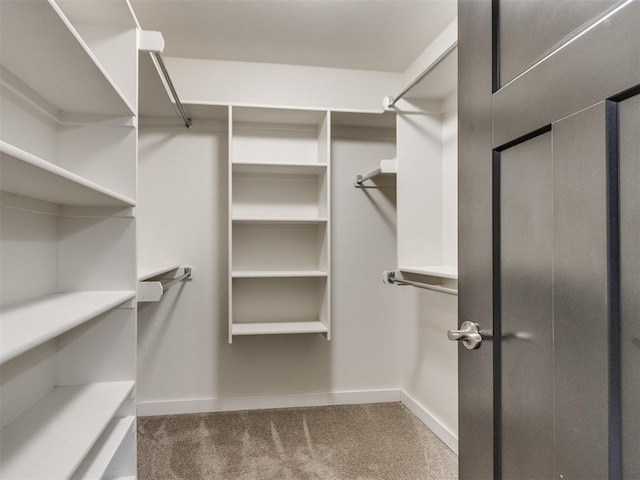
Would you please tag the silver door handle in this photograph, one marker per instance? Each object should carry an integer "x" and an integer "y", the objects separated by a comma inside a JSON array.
[{"x": 469, "y": 335}]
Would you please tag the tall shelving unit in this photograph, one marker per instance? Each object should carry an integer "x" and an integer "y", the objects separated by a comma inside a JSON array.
[
  {"x": 68, "y": 163},
  {"x": 427, "y": 177},
  {"x": 279, "y": 221}
]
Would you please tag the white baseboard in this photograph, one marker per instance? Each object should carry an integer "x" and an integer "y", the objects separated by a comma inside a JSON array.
[
  {"x": 227, "y": 404},
  {"x": 449, "y": 438}
]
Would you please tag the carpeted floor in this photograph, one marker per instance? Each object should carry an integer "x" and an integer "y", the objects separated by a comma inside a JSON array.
[{"x": 349, "y": 442}]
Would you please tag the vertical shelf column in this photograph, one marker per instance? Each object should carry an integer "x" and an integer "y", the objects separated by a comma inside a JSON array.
[{"x": 279, "y": 221}]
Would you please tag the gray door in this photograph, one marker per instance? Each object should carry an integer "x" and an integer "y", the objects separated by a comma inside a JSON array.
[{"x": 549, "y": 166}]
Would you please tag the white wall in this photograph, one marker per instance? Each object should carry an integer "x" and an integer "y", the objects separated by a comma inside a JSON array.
[
  {"x": 450, "y": 180},
  {"x": 251, "y": 83},
  {"x": 248, "y": 83},
  {"x": 185, "y": 362},
  {"x": 430, "y": 361}
]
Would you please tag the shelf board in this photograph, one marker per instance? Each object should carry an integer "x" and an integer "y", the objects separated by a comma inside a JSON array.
[
  {"x": 51, "y": 439},
  {"x": 301, "y": 220},
  {"x": 29, "y": 324},
  {"x": 278, "y": 273},
  {"x": 97, "y": 461},
  {"x": 280, "y": 168},
  {"x": 277, "y": 328},
  {"x": 278, "y": 116},
  {"x": 432, "y": 271},
  {"x": 41, "y": 48},
  {"x": 147, "y": 273},
  {"x": 28, "y": 175}
]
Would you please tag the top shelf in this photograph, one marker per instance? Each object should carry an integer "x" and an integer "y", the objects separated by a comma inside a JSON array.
[
  {"x": 279, "y": 168},
  {"x": 278, "y": 116},
  {"x": 42, "y": 49}
]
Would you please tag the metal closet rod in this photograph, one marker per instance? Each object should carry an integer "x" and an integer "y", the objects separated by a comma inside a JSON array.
[
  {"x": 391, "y": 101},
  {"x": 390, "y": 278},
  {"x": 165, "y": 73},
  {"x": 360, "y": 179}
]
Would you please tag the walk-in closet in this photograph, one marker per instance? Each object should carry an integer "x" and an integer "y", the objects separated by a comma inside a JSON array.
[
  {"x": 229, "y": 239},
  {"x": 184, "y": 236}
]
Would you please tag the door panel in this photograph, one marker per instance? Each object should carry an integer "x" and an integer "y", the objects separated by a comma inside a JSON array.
[
  {"x": 601, "y": 63},
  {"x": 581, "y": 97},
  {"x": 530, "y": 29},
  {"x": 580, "y": 295},
  {"x": 526, "y": 241},
  {"x": 630, "y": 283}
]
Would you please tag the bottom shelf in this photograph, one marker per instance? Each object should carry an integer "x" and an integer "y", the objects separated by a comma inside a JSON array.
[
  {"x": 280, "y": 305},
  {"x": 277, "y": 328},
  {"x": 53, "y": 437},
  {"x": 98, "y": 460}
]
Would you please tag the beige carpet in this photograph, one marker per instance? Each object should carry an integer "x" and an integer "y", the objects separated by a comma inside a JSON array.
[{"x": 351, "y": 442}]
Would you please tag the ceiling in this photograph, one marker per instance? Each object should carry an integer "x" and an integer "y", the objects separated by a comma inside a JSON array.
[{"x": 384, "y": 35}]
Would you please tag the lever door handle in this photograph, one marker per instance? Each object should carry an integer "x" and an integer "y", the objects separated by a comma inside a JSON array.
[{"x": 469, "y": 335}]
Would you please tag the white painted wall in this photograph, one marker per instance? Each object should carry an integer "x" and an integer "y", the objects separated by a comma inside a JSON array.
[
  {"x": 185, "y": 362},
  {"x": 429, "y": 360},
  {"x": 450, "y": 180},
  {"x": 247, "y": 83},
  {"x": 250, "y": 83}
]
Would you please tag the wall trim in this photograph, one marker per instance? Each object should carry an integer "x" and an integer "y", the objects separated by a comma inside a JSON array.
[
  {"x": 449, "y": 438},
  {"x": 227, "y": 404}
]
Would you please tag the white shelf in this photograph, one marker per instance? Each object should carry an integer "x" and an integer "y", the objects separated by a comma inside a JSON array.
[
  {"x": 437, "y": 271},
  {"x": 148, "y": 273},
  {"x": 280, "y": 168},
  {"x": 278, "y": 273},
  {"x": 279, "y": 209},
  {"x": 277, "y": 328},
  {"x": 29, "y": 324},
  {"x": 300, "y": 220},
  {"x": 28, "y": 175},
  {"x": 96, "y": 463},
  {"x": 41, "y": 47},
  {"x": 52, "y": 438}
]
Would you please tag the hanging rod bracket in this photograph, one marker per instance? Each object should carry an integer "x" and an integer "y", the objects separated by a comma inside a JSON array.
[
  {"x": 360, "y": 179},
  {"x": 150, "y": 41},
  {"x": 153, "y": 42},
  {"x": 386, "y": 167},
  {"x": 390, "y": 277},
  {"x": 153, "y": 290},
  {"x": 388, "y": 103}
]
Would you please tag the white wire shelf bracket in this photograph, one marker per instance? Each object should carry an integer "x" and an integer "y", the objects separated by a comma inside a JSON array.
[
  {"x": 152, "y": 289},
  {"x": 391, "y": 277}
]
